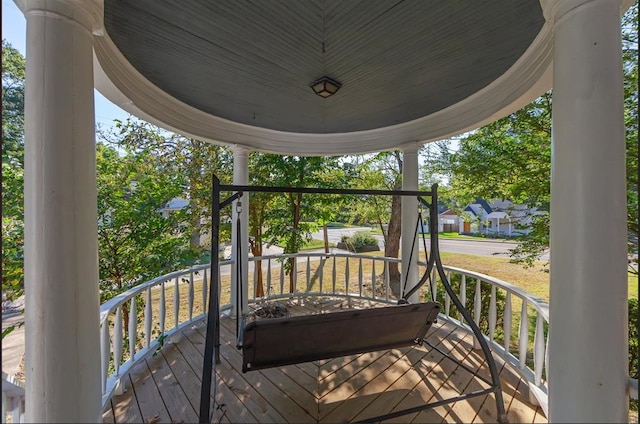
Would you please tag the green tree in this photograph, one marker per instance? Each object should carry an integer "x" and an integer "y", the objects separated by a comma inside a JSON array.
[
  {"x": 283, "y": 219},
  {"x": 383, "y": 171},
  {"x": 136, "y": 242},
  {"x": 511, "y": 158},
  {"x": 13, "y": 76},
  {"x": 630, "y": 64},
  {"x": 194, "y": 160}
]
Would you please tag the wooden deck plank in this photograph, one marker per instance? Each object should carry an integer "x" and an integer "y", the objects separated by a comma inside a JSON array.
[
  {"x": 229, "y": 401},
  {"x": 348, "y": 408},
  {"x": 402, "y": 386},
  {"x": 178, "y": 405},
  {"x": 272, "y": 405},
  {"x": 333, "y": 390},
  {"x": 148, "y": 395},
  {"x": 125, "y": 406},
  {"x": 188, "y": 379},
  {"x": 432, "y": 372},
  {"x": 305, "y": 395},
  {"x": 107, "y": 414}
]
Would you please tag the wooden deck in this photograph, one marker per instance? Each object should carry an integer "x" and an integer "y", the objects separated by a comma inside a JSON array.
[{"x": 166, "y": 387}]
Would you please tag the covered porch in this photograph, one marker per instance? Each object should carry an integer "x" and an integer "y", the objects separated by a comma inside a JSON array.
[{"x": 239, "y": 74}]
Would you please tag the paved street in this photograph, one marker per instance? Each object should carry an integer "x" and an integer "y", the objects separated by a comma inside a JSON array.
[{"x": 484, "y": 247}]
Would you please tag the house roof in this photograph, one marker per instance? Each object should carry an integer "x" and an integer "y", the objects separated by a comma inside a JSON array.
[{"x": 239, "y": 72}]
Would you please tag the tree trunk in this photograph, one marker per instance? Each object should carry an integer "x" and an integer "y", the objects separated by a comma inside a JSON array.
[
  {"x": 256, "y": 250},
  {"x": 195, "y": 233},
  {"x": 296, "y": 223},
  {"x": 392, "y": 246}
]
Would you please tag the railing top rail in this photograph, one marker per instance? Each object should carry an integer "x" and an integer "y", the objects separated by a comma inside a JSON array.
[
  {"x": 324, "y": 255},
  {"x": 536, "y": 302},
  {"x": 112, "y": 303}
]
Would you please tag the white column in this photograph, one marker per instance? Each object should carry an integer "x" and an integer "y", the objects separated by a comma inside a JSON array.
[
  {"x": 240, "y": 177},
  {"x": 61, "y": 247},
  {"x": 409, "y": 219},
  {"x": 588, "y": 365}
]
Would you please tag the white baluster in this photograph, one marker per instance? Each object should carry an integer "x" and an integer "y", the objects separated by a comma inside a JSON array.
[
  {"x": 282, "y": 278},
  {"x": 463, "y": 294},
  {"x": 163, "y": 307},
  {"x": 538, "y": 349},
  {"x": 321, "y": 272},
  {"x": 133, "y": 328},
  {"x": 447, "y": 298},
  {"x": 268, "y": 277},
  {"x": 205, "y": 290},
  {"x": 191, "y": 295},
  {"x": 493, "y": 313},
  {"x": 148, "y": 318},
  {"x": 333, "y": 272},
  {"x": 117, "y": 340},
  {"x": 176, "y": 302},
  {"x": 308, "y": 273},
  {"x": 255, "y": 279},
  {"x": 104, "y": 352},
  {"x": 346, "y": 276},
  {"x": 360, "y": 276},
  {"x": 508, "y": 315},
  {"x": 477, "y": 305},
  {"x": 387, "y": 280},
  {"x": 373, "y": 278},
  {"x": 523, "y": 335},
  {"x": 433, "y": 285},
  {"x": 477, "y": 310},
  {"x": 295, "y": 274}
]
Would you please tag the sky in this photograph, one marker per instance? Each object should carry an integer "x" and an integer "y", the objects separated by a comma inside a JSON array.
[{"x": 14, "y": 29}]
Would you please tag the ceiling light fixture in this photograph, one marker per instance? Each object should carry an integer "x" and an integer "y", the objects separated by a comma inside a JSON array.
[{"x": 325, "y": 87}]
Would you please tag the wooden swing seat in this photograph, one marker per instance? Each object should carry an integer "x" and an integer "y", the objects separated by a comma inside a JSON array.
[{"x": 292, "y": 340}]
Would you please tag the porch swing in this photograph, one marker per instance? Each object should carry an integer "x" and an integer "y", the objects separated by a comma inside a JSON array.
[{"x": 268, "y": 343}]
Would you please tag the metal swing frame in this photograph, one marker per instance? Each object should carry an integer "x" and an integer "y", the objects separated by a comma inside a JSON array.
[{"x": 276, "y": 326}]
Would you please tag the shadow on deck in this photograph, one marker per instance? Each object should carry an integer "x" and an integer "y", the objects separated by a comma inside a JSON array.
[{"x": 166, "y": 387}]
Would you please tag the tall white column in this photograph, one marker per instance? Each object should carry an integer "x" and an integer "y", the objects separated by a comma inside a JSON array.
[
  {"x": 409, "y": 219},
  {"x": 240, "y": 177},
  {"x": 61, "y": 248},
  {"x": 588, "y": 365}
]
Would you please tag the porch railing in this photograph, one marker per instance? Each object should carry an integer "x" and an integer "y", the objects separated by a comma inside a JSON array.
[{"x": 514, "y": 322}]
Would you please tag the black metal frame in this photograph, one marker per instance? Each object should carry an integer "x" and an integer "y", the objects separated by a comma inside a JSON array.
[{"x": 212, "y": 341}]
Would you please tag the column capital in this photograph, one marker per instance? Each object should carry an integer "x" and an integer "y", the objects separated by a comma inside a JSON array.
[
  {"x": 555, "y": 10},
  {"x": 87, "y": 13},
  {"x": 411, "y": 149},
  {"x": 238, "y": 149}
]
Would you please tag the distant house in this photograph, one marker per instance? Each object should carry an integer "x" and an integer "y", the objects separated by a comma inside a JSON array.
[
  {"x": 497, "y": 217},
  {"x": 173, "y": 205}
]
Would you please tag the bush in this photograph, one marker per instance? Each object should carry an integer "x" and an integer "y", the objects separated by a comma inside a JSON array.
[{"x": 361, "y": 241}]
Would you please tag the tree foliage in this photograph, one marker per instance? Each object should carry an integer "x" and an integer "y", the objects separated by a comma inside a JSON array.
[
  {"x": 13, "y": 75},
  {"x": 289, "y": 218},
  {"x": 136, "y": 242},
  {"x": 384, "y": 171},
  {"x": 511, "y": 158},
  {"x": 194, "y": 160}
]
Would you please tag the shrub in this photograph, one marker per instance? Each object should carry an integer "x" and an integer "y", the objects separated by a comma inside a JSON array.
[{"x": 361, "y": 241}]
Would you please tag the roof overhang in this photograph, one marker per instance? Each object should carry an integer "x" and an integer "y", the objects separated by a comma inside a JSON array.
[{"x": 128, "y": 83}]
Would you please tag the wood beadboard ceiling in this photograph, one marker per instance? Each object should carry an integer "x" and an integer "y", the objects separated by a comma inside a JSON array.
[{"x": 252, "y": 61}]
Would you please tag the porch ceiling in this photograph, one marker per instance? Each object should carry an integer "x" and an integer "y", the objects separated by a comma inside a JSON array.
[{"x": 238, "y": 72}]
